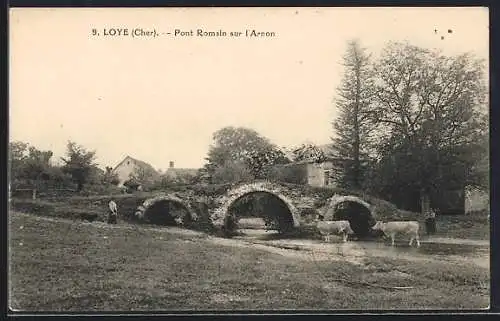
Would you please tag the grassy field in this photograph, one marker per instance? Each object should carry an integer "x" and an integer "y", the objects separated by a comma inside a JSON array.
[{"x": 70, "y": 266}]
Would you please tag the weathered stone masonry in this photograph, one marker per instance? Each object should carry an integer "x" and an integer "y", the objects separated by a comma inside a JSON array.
[{"x": 295, "y": 199}]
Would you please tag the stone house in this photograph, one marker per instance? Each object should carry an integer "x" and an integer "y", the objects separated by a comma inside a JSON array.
[
  {"x": 309, "y": 172},
  {"x": 129, "y": 166},
  {"x": 313, "y": 173}
]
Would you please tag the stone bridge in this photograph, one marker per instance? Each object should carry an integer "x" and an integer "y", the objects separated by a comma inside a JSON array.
[{"x": 301, "y": 205}]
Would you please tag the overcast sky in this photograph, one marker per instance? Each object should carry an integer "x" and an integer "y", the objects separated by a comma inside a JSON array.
[{"x": 160, "y": 99}]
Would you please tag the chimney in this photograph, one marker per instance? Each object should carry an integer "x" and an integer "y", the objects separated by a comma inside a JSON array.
[{"x": 171, "y": 164}]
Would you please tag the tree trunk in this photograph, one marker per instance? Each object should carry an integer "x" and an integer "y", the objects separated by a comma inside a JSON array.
[
  {"x": 425, "y": 203},
  {"x": 356, "y": 145}
]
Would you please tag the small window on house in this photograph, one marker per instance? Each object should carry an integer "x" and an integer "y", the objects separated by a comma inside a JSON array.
[{"x": 128, "y": 162}]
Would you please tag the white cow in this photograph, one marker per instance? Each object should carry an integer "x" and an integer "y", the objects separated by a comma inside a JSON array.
[
  {"x": 334, "y": 227},
  {"x": 403, "y": 227}
]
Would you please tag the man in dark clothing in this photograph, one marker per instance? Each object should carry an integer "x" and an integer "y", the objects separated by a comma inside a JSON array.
[{"x": 430, "y": 222}]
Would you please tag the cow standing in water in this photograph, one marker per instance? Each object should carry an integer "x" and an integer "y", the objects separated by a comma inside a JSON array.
[
  {"x": 113, "y": 215},
  {"x": 326, "y": 228},
  {"x": 403, "y": 227}
]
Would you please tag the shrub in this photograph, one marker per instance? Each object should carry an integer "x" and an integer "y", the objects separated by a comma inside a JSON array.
[
  {"x": 203, "y": 222},
  {"x": 100, "y": 189},
  {"x": 211, "y": 189},
  {"x": 131, "y": 184},
  {"x": 232, "y": 172}
]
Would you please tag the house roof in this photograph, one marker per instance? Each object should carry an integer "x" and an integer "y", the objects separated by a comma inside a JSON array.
[{"x": 139, "y": 163}]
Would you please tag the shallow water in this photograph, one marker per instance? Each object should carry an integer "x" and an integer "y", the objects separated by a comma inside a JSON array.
[{"x": 439, "y": 248}]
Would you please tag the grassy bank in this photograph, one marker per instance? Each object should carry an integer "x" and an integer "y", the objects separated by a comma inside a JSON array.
[
  {"x": 92, "y": 208},
  {"x": 68, "y": 266}
]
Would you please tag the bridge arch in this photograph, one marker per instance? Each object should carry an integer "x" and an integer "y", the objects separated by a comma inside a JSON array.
[
  {"x": 360, "y": 213},
  {"x": 151, "y": 206},
  {"x": 222, "y": 213}
]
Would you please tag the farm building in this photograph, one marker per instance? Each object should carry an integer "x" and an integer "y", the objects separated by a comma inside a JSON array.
[{"x": 310, "y": 172}]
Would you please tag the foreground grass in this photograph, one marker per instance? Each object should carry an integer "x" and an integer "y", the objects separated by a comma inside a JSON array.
[{"x": 65, "y": 266}]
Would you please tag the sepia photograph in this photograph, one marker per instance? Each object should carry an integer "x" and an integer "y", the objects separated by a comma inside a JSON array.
[{"x": 205, "y": 160}]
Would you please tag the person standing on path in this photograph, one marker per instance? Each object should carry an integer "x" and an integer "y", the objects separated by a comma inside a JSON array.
[{"x": 113, "y": 212}]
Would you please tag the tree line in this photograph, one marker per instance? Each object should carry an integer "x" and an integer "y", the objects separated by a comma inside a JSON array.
[
  {"x": 412, "y": 123},
  {"x": 33, "y": 168}
]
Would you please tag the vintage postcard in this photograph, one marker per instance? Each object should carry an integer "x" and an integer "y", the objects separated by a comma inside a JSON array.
[{"x": 248, "y": 159}]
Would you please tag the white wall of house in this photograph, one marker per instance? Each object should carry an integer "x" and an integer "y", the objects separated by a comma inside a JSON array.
[
  {"x": 476, "y": 200},
  {"x": 124, "y": 170},
  {"x": 318, "y": 174}
]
